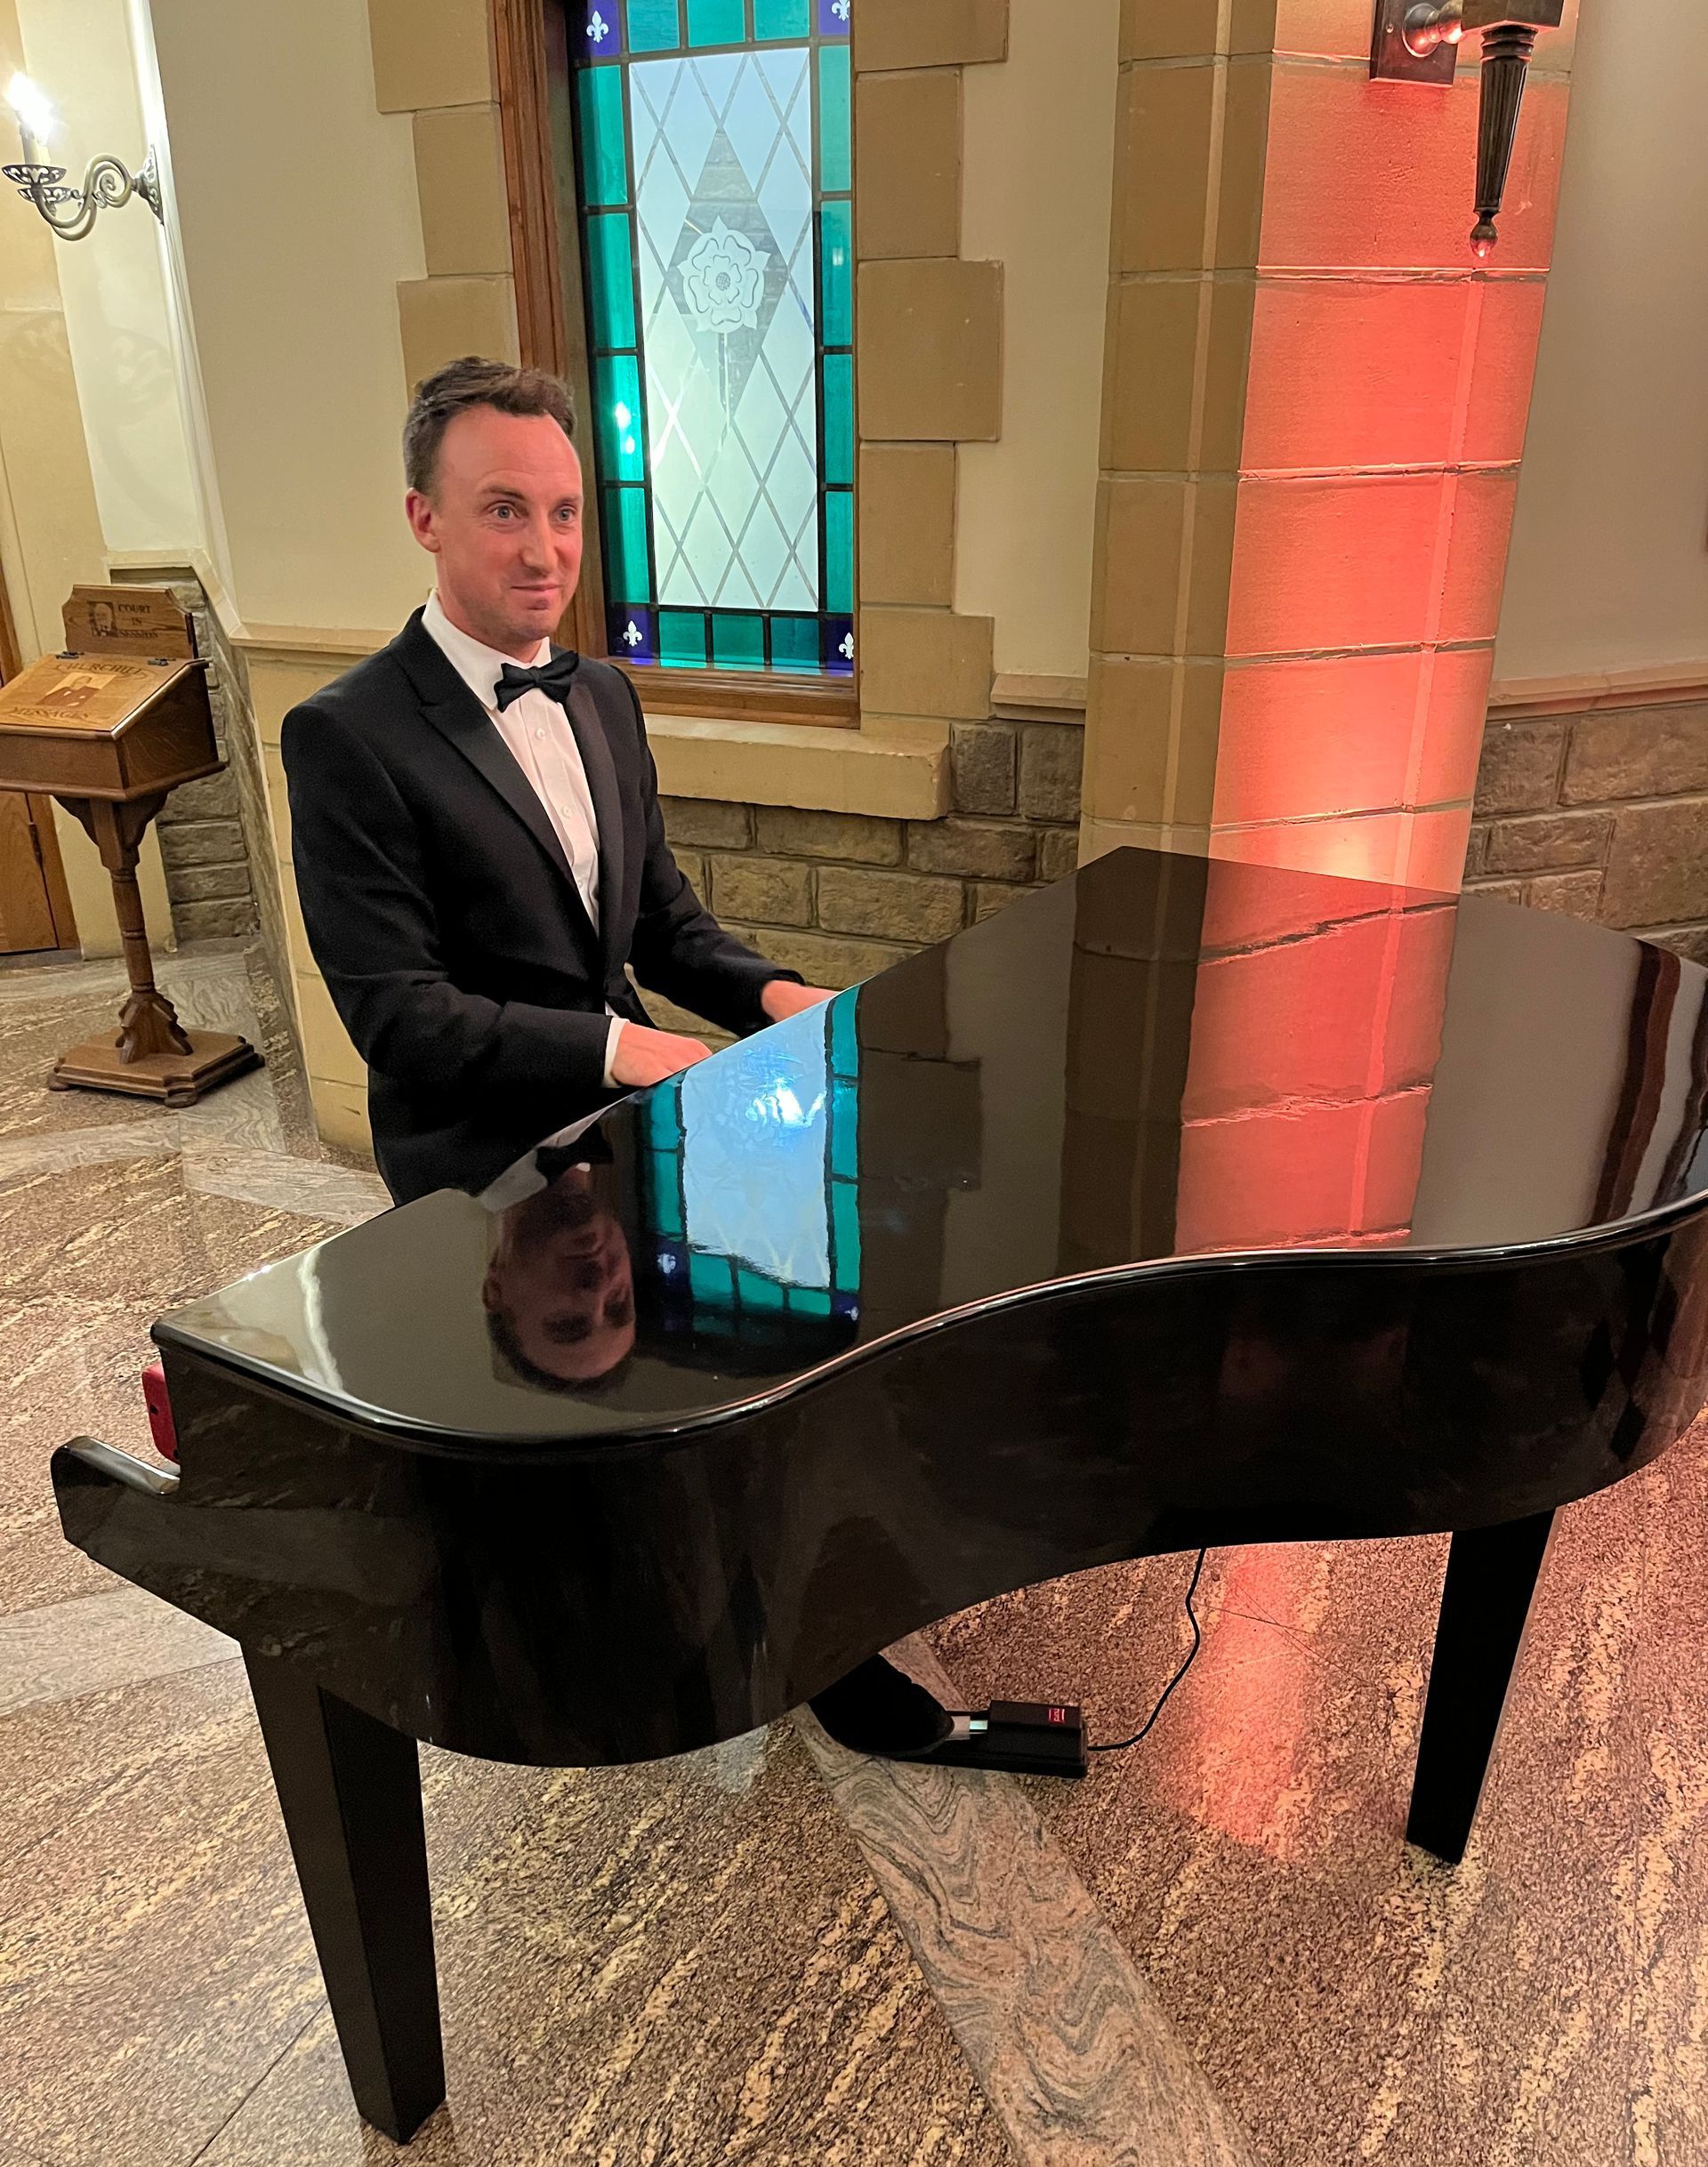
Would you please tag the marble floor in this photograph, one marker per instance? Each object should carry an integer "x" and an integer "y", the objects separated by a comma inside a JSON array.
[{"x": 1216, "y": 1950}]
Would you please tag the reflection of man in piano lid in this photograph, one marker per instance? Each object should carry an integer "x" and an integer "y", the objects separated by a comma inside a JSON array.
[{"x": 560, "y": 1289}]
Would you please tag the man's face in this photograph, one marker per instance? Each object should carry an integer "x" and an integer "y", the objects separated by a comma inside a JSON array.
[
  {"x": 505, "y": 522},
  {"x": 562, "y": 1279}
]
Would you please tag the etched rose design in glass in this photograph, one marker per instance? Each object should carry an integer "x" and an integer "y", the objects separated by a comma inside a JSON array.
[{"x": 723, "y": 279}]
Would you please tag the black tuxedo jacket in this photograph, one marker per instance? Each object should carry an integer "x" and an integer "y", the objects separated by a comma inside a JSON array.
[{"x": 446, "y": 922}]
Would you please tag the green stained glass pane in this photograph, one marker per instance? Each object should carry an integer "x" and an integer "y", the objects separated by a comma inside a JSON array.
[
  {"x": 844, "y": 1134},
  {"x": 664, "y": 1120},
  {"x": 620, "y": 432},
  {"x": 716, "y": 22},
  {"x": 839, "y": 418},
  {"x": 839, "y": 549},
  {"x": 737, "y": 641},
  {"x": 836, "y": 295},
  {"x": 604, "y": 153},
  {"x": 655, "y": 26},
  {"x": 681, "y": 639},
  {"x": 612, "y": 280},
  {"x": 711, "y": 1277},
  {"x": 810, "y": 1301},
  {"x": 845, "y": 1232},
  {"x": 775, "y": 19},
  {"x": 626, "y": 575},
  {"x": 845, "y": 1048},
  {"x": 757, "y": 1291},
  {"x": 795, "y": 643},
  {"x": 666, "y": 1205},
  {"x": 835, "y": 171}
]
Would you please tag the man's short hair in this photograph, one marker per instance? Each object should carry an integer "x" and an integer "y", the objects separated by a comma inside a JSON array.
[{"x": 474, "y": 382}]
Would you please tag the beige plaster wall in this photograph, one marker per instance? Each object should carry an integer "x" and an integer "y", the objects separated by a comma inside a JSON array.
[
  {"x": 50, "y": 527},
  {"x": 1610, "y": 563},
  {"x": 298, "y": 215},
  {"x": 114, "y": 284},
  {"x": 1038, "y": 151}
]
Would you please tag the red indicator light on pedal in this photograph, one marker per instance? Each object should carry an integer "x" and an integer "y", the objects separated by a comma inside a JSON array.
[{"x": 1057, "y": 1715}]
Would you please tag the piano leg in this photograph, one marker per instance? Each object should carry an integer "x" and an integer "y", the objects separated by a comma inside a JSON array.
[
  {"x": 349, "y": 1788},
  {"x": 1492, "y": 1574}
]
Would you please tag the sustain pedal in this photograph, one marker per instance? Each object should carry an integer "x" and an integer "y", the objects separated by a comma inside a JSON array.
[{"x": 1024, "y": 1737}]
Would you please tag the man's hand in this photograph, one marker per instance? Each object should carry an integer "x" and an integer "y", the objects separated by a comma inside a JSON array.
[
  {"x": 781, "y": 997},
  {"x": 645, "y": 1056}
]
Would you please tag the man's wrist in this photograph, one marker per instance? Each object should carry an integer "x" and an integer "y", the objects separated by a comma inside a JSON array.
[{"x": 611, "y": 1038}]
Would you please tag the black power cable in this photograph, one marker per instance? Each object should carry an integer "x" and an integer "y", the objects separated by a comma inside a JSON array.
[{"x": 1120, "y": 1745}]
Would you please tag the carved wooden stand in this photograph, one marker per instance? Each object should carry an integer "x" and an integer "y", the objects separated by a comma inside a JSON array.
[
  {"x": 110, "y": 727},
  {"x": 152, "y": 1055}
]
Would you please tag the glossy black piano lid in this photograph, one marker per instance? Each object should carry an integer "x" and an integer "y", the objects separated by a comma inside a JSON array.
[{"x": 1163, "y": 1058}]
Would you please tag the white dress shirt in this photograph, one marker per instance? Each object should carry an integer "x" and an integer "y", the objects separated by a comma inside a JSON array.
[{"x": 536, "y": 731}]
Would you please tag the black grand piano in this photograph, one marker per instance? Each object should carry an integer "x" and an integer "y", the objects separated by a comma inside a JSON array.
[{"x": 1184, "y": 1204}]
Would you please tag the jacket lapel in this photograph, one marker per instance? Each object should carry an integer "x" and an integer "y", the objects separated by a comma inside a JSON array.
[
  {"x": 608, "y": 816},
  {"x": 459, "y": 717}
]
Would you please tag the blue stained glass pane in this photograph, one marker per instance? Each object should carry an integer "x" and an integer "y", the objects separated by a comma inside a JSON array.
[
  {"x": 619, "y": 430},
  {"x": 839, "y": 418},
  {"x": 655, "y": 26},
  {"x": 839, "y": 646},
  {"x": 602, "y": 28},
  {"x": 629, "y": 632},
  {"x": 776, "y": 19},
  {"x": 795, "y": 643},
  {"x": 835, "y": 171},
  {"x": 839, "y": 549},
  {"x": 837, "y": 319},
  {"x": 712, "y": 1278},
  {"x": 610, "y": 281},
  {"x": 716, "y": 22},
  {"x": 604, "y": 159},
  {"x": 625, "y": 549},
  {"x": 845, "y": 1233},
  {"x": 834, "y": 18},
  {"x": 753, "y": 1161}
]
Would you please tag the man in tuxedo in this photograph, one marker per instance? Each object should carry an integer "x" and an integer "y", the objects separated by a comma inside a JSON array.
[{"x": 479, "y": 853}]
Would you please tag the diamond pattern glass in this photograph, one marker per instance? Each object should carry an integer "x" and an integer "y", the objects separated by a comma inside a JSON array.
[{"x": 714, "y": 181}]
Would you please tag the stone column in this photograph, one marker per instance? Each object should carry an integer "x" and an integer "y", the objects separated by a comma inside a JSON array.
[{"x": 1313, "y": 408}]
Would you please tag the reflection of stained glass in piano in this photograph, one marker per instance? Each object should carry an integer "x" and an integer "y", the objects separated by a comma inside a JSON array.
[{"x": 751, "y": 1176}]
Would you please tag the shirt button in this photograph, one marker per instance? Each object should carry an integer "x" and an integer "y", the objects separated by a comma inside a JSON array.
[{"x": 539, "y": 733}]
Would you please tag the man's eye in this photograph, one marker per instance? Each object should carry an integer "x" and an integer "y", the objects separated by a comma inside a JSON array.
[
  {"x": 567, "y": 514},
  {"x": 502, "y": 511}
]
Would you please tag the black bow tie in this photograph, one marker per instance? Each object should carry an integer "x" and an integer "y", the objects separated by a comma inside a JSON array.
[{"x": 552, "y": 678}]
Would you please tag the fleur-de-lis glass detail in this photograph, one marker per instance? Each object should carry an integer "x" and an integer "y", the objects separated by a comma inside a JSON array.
[
  {"x": 631, "y": 635},
  {"x": 839, "y": 9},
  {"x": 598, "y": 28},
  {"x": 846, "y": 648}
]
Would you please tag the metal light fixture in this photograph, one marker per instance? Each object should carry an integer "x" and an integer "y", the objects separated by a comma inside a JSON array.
[
  {"x": 1417, "y": 41},
  {"x": 71, "y": 211}
]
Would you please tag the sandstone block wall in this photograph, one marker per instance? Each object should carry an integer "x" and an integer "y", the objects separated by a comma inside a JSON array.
[{"x": 1603, "y": 814}]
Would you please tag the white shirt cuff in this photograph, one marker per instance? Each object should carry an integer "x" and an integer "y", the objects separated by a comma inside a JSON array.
[{"x": 611, "y": 1037}]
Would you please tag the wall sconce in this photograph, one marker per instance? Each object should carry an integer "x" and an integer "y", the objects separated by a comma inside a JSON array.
[
  {"x": 71, "y": 211},
  {"x": 1417, "y": 41}
]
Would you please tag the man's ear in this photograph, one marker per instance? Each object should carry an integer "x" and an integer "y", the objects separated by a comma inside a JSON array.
[{"x": 424, "y": 520}]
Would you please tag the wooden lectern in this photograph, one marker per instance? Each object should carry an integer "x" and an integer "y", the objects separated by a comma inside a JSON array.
[{"x": 108, "y": 728}]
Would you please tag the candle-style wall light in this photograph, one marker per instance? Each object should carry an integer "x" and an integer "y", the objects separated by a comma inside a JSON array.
[
  {"x": 71, "y": 211},
  {"x": 1417, "y": 41}
]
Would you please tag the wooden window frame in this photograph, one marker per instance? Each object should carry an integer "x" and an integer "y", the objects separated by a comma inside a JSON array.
[{"x": 532, "y": 73}]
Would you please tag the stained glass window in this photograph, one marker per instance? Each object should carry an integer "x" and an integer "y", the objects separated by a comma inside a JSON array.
[
  {"x": 713, "y": 141},
  {"x": 751, "y": 1180}
]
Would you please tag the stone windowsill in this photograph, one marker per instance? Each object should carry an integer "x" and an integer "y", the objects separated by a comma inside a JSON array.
[{"x": 888, "y": 769}]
